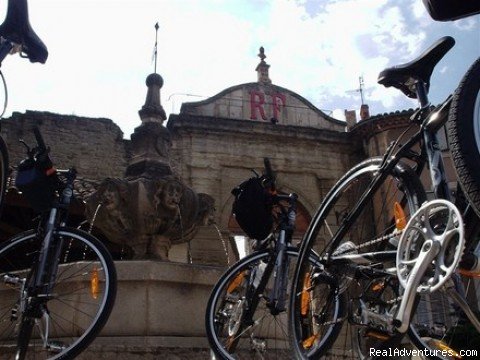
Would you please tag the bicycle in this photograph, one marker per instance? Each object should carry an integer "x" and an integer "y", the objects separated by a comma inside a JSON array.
[
  {"x": 391, "y": 254},
  {"x": 57, "y": 284},
  {"x": 16, "y": 35},
  {"x": 246, "y": 312}
]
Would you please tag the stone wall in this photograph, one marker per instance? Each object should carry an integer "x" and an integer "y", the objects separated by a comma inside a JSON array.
[
  {"x": 95, "y": 147},
  {"x": 213, "y": 155}
]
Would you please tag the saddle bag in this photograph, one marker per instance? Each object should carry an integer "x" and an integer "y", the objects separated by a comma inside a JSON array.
[
  {"x": 38, "y": 188},
  {"x": 252, "y": 208},
  {"x": 446, "y": 10}
]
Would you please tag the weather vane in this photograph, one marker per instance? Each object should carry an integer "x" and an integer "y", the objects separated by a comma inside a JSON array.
[
  {"x": 155, "y": 48},
  {"x": 360, "y": 89}
]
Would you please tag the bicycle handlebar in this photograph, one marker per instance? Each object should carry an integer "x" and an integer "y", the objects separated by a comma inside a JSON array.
[
  {"x": 39, "y": 139},
  {"x": 42, "y": 150},
  {"x": 269, "y": 175}
]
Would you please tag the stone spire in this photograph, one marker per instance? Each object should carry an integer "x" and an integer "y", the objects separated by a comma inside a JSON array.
[
  {"x": 150, "y": 208},
  {"x": 262, "y": 68},
  {"x": 153, "y": 111},
  {"x": 151, "y": 143}
]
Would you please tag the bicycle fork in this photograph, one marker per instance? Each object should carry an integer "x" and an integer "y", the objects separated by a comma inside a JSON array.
[
  {"x": 277, "y": 296},
  {"x": 279, "y": 292},
  {"x": 37, "y": 288}
]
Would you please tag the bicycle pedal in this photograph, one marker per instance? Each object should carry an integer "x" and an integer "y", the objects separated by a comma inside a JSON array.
[
  {"x": 56, "y": 346},
  {"x": 259, "y": 345},
  {"x": 12, "y": 280}
]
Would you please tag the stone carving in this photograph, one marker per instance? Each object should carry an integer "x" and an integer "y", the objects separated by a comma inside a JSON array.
[{"x": 149, "y": 215}]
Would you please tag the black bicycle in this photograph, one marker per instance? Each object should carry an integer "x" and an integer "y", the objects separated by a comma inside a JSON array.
[
  {"x": 57, "y": 284},
  {"x": 246, "y": 315},
  {"x": 16, "y": 35},
  {"x": 389, "y": 255}
]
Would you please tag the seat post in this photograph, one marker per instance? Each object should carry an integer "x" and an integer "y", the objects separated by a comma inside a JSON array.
[
  {"x": 5, "y": 49},
  {"x": 422, "y": 94}
]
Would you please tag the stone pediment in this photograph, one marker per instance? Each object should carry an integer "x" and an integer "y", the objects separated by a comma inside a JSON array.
[{"x": 263, "y": 103}]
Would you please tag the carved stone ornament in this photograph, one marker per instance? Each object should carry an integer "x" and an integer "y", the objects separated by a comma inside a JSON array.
[
  {"x": 150, "y": 209},
  {"x": 149, "y": 215}
]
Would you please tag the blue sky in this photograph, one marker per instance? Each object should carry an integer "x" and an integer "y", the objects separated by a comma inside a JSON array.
[{"x": 101, "y": 52}]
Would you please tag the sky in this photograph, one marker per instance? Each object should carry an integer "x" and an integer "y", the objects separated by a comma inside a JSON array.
[{"x": 101, "y": 51}]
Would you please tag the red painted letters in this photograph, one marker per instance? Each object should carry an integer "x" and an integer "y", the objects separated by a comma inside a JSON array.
[
  {"x": 257, "y": 105},
  {"x": 257, "y": 100},
  {"x": 278, "y": 100}
]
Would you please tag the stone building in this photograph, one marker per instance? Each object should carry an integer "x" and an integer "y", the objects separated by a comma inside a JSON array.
[{"x": 210, "y": 147}]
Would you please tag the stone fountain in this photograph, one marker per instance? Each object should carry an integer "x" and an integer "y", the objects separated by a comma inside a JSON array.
[
  {"x": 159, "y": 308},
  {"x": 150, "y": 209}
]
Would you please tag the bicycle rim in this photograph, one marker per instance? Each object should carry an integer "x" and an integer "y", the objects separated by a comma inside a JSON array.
[
  {"x": 3, "y": 171},
  {"x": 229, "y": 336},
  {"x": 375, "y": 229},
  {"x": 71, "y": 314}
]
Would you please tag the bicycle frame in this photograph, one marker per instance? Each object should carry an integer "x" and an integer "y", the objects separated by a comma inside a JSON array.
[
  {"x": 38, "y": 287},
  {"x": 50, "y": 252},
  {"x": 430, "y": 122},
  {"x": 277, "y": 266}
]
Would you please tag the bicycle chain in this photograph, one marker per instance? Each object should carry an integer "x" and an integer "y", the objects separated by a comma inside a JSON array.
[{"x": 379, "y": 240}]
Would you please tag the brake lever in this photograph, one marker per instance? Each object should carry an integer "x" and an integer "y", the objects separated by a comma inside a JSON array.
[
  {"x": 256, "y": 173},
  {"x": 29, "y": 151}
]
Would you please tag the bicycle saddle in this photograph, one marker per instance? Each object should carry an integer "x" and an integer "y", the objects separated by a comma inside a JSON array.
[
  {"x": 16, "y": 28},
  {"x": 405, "y": 76}
]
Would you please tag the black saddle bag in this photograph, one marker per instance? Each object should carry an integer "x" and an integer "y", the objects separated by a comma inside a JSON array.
[
  {"x": 252, "y": 208},
  {"x": 38, "y": 188}
]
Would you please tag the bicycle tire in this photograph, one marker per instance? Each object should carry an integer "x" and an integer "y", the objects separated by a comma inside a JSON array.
[
  {"x": 74, "y": 311},
  {"x": 464, "y": 134},
  {"x": 225, "y": 309},
  {"x": 4, "y": 170},
  {"x": 373, "y": 230}
]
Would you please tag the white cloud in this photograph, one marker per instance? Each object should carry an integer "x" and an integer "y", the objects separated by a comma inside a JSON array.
[
  {"x": 468, "y": 24},
  {"x": 100, "y": 51}
]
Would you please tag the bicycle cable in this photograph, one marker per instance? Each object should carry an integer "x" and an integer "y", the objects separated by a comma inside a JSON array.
[{"x": 5, "y": 88}]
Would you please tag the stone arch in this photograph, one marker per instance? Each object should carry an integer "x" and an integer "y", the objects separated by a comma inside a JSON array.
[{"x": 302, "y": 221}]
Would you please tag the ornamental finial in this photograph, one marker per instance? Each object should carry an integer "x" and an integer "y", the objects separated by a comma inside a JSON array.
[
  {"x": 262, "y": 68},
  {"x": 261, "y": 54}
]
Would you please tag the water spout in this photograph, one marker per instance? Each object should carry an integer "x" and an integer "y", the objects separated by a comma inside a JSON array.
[{"x": 225, "y": 246}]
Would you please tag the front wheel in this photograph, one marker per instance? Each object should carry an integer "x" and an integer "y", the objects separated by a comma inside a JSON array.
[
  {"x": 464, "y": 134},
  {"x": 62, "y": 322},
  {"x": 265, "y": 335},
  {"x": 376, "y": 228}
]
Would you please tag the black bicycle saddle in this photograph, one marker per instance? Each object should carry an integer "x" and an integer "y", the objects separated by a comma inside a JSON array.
[
  {"x": 16, "y": 28},
  {"x": 405, "y": 76}
]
